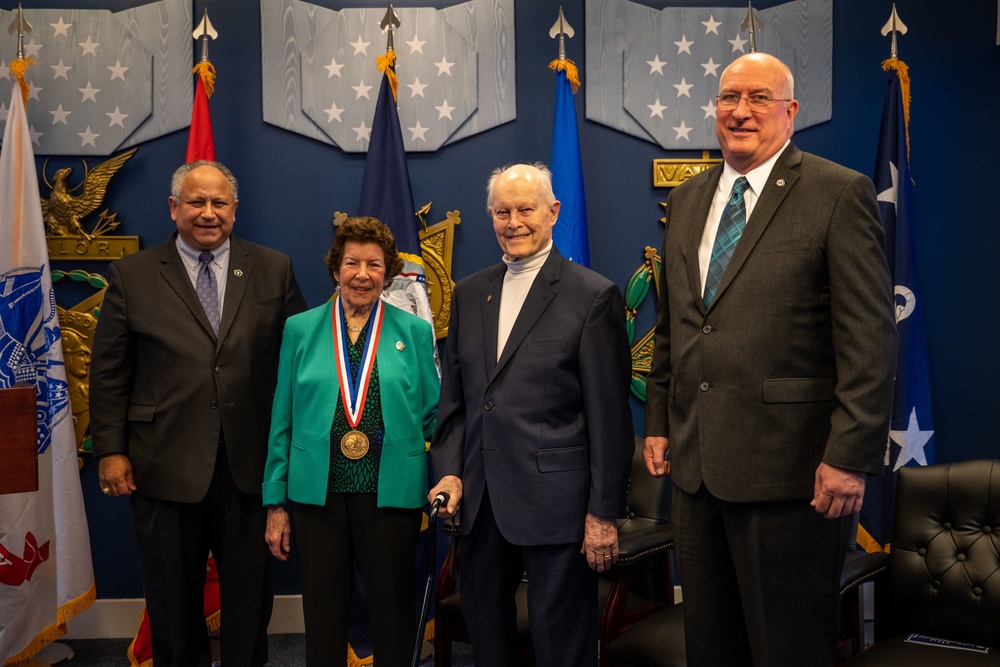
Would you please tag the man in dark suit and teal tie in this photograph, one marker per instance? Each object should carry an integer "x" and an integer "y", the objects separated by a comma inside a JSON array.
[
  {"x": 534, "y": 432},
  {"x": 184, "y": 368},
  {"x": 771, "y": 379}
]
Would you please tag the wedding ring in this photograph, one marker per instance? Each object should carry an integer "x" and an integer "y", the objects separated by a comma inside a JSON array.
[{"x": 106, "y": 490}]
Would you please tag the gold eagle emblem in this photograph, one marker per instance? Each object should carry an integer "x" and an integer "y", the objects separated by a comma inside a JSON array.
[{"x": 63, "y": 211}]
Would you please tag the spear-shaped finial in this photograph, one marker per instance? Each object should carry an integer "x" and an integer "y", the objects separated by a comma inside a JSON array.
[
  {"x": 894, "y": 25},
  {"x": 19, "y": 65},
  {"x": 205, "y": 31},
  {"x": 19, "y": 26},
  {"x": 753, "y": 24},
  {"x": 389, "y": 22},
  {"x": 561, "y": 29}
]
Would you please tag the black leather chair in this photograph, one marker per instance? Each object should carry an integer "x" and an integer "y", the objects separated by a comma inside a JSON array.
[
  {"x": 943, "y": 575},
  {"x": 638, "y": 585}
]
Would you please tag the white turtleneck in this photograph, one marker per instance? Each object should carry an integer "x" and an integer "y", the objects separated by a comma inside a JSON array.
[{"x": 516, "y": 283}]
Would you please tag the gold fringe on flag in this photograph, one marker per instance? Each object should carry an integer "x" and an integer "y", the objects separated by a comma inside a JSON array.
[
  {"x": 903, "y": 72},
  {"x": 387, "y": 65},
  {"x": 206, "y": 70},
  {"x": 568, "y": 66},
  {"x": 18, "y": 67}
]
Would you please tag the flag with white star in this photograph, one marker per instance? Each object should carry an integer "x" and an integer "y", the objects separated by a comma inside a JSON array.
[
  {"x": 911, "y": 434},
  {"x": 655, "y": 74},
  {"x": 92, "y": 88}
]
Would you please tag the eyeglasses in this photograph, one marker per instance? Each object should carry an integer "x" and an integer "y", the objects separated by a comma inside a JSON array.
[{"x": 757, "y": 102}]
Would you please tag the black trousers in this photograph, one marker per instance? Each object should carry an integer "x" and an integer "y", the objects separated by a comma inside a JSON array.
[
  {"x": 761, "y": 581},
  {"x": 329, "y": 539},
  {"x": 174, "y": 542},
  {"x": 562, "y": 598}
]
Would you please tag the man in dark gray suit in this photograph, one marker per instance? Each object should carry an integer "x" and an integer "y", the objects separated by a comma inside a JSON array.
[
  {"x": 183, "y": 372},
  {"x": 771, "y": 379},
  {"x": 534, "y": 432}
]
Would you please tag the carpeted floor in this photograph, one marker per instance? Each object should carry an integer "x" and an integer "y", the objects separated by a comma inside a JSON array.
[{"x": 284, "y": 651}]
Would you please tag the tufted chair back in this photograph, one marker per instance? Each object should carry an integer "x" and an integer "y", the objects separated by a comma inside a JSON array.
[{"x": 944, "y": 562}]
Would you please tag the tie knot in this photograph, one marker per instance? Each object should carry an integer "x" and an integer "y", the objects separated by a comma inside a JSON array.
[
  {"x": 205, "y": 258},
  {"x": 739, "y": 187}
]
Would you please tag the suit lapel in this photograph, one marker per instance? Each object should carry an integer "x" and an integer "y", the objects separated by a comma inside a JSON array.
[
  {"x": 783, "y": 176},
  {"x": 489, "y": 301},
  {"x": 702, "y": 200},
  {"x": 539, "y": 297},
  {"x": 176, "y": 275},
  {"x": 240, "y": 266}
]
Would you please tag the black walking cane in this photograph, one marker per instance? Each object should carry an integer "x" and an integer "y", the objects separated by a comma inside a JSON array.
[{"x": 439, "y": 499}]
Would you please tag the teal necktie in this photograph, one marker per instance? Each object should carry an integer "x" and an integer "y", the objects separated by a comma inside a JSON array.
[{"x": 734, "y": 219}]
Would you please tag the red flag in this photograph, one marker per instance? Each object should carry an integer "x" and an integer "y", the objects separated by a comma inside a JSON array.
[{"x": 201, "y": 146}]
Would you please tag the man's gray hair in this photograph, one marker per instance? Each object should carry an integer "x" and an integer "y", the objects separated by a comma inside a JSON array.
[
  {"x": 182, "y": 171},
  {"x": 544, "y": 181}
]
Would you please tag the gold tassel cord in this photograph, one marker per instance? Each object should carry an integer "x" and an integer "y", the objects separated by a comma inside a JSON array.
[
  {"x": 18, "y": 68},
  {"x": 206, "y": 70},
  {"x": 903, "y": 72},
  {"x": 568, "y": 66},
  {"x": 387, "y": 65}
]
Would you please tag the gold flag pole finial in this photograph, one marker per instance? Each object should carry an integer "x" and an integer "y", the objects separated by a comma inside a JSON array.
[
  {"x": 753, "y": 24},
  {"x": 562, "y": 29},
  {"x": 205, "y": 69},
  {"x": 19, "y": 65},
  {"x": 387, "y": 61}
]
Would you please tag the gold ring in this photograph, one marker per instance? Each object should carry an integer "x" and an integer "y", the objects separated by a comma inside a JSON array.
[{"x": 106, "y": 490}]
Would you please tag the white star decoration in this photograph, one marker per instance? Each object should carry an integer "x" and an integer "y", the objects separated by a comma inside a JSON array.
[
  {"x": 682, "y": 131},
  {"x": 87, "y": 138},
  {"x": 61, "y": 28},
  {"x": 89, "y": 47},
  {"x": 418, "y": 132},
  {"x": 34, "y": 135},
  {"x": 444, "y": 111},
  {"x": 656, "y": 109},
  {"x": 333, "y": 113},
  {"x": 683, "y": 88},
  {"x": 33, "y": 92},
  {"x": 709, "y": 110},
  {"x": 416, "y": 88},
  {"x": 59, "y": 115},
  {"x": 31, "y": 49},
  {"x": 59, "y": 71},
  {"x": 444, "y": 67},
  {"x": 333, "y": 69},
  {"x": 4, "y": 71},
  {"x": 363, "y": 131},
  {"x": 360, "y": 46},
  {"x": 117, "y": 118},
  {"x": 117, "y": 70},
  {"x": 912, "y": 442},
  {"x": 89, "y": 93},
  {"x": 711, "y": 25},
  {"x": 711, "y": 67},
  {"x": 684, "y": 46},
  {"x": 656, "y": 65},
  {"x": 3, "y": 112},
  {"x": 738, "y": 43},
  {"x": 416, "y": 45},
  {"x": 362, "y": 90}
]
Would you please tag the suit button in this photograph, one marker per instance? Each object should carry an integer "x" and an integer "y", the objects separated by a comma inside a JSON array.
[
  {"x": 706, "y": 329},
  {"x": 218, "y": 369},
  {"x": 214, "y": 404},
  {"x": 704, "y": 386},
  {"x": 489, "y": 405}
]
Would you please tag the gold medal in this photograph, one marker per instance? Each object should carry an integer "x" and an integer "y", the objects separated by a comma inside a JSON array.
[{"x": 354, "y": 444}]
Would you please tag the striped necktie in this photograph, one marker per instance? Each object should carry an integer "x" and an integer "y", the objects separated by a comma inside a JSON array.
[{"x": 734, "y": 219}]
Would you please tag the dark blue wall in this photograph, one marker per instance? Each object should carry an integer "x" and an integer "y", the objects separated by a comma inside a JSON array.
[{"x": 290, "y": 187}]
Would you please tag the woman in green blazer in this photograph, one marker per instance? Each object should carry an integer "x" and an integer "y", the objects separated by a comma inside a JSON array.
[{"x": 355, "y": 402}]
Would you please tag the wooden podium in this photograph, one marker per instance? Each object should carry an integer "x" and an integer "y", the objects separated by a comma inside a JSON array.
[{"x": 18, "y": 440}]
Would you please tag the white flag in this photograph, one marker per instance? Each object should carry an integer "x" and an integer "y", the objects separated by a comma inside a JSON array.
[{"x": 46, "y": 574}]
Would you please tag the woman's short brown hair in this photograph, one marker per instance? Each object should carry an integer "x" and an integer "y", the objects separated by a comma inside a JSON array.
[{"x": 364, "y": 230}]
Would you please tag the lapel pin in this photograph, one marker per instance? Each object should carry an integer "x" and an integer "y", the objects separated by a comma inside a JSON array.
[
  {"x": 400, "y": 346},
  {"x": 238, "y": 273},
  {"x": 780, "y": 182},
  {"x": 489, "y": 297}
]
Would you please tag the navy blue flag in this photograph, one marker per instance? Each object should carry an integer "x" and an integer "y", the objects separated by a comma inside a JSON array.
[
  {"x": 911, "y": 432},
  {"x": 570, "y": 232},
  {"x": 386, "y": 195}
]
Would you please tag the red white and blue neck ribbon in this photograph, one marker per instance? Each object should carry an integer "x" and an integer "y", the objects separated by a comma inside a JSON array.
[{"x": 353, "y": 394}]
